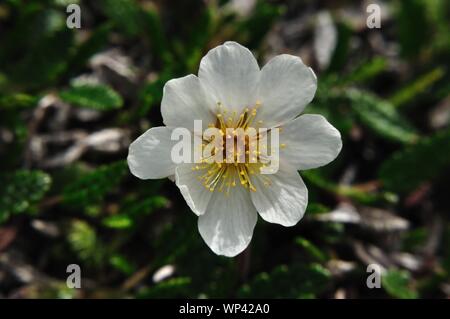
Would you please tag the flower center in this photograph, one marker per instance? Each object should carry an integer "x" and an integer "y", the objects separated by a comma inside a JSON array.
[{"x": 231, "y": 157}]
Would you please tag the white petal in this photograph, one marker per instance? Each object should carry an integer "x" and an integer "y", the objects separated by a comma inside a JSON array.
[
  {"x": 227, "y": 226},
  {"x": 230, "y": 72},
  {"x": 195, "y": 194},
  {"x": 149, "y": 155},
  {"x": 184, "y": 101},
  {"x": 286, "y": 87},
  {"x": 284, "y": 200},
  {"x": 310, "y": 142}
]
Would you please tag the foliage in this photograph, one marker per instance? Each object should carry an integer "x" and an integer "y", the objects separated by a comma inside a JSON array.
[
  {"x": 400, "y": 173},
  {"x": 21, "y": 190},
  {"x": 98, "y": 97},
  {"x": 71, "y": 101},
  {"x": 298, "y": 281},
  {"x": 396, "y": 283}
]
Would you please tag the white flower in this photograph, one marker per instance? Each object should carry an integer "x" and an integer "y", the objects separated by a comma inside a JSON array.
[{"x": 231, "y": 89}]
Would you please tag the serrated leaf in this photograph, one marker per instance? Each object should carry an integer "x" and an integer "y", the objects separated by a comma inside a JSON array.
[
  {"x": 82, "y": 239},
  {"x": 92, "y": 187},
  {"x": 21, "y": 190},
  {"x": 416, "y": 164},
  {"x": 396, "y": 283},
  {"x": 98, "y": 97},
  {"x": 298, "y": 281},
  {"x": 381, "y": 117}
]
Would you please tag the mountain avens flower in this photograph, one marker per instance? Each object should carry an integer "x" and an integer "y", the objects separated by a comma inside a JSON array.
[{"x": 232, "y": 95}]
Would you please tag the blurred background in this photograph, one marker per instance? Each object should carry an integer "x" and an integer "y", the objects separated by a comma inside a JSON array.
[{"x": 72, "y": 100}]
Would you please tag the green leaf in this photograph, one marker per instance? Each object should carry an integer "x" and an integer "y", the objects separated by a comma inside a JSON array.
[
  {"x": 130, "y": 211},
  {"x": 92, "y": 187},
  {"x": 365, "y": 71},
  {"x": 122, "y": 264},
  {"x": 311, "y": 249},
  {"x": 397, "y": 284},
  {"x": 298, "y": 281},
  {"x": 98, "y": 97},
  {"x": 83, "y": 240},
  {"x": 414, "y": 239},
  {"x": 417, "y": 87},
  {"x": 20, "y": 190},
  {"x": 380, "y": 117},
  {"x": 118, "y": 221},
  {"x": 17, "y": 101},
  {"x": 315, "y": 177},
  {"x": 416, "y": 164}
]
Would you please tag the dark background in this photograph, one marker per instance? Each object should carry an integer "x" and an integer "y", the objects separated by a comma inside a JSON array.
[{"x": 71, "y": 101}]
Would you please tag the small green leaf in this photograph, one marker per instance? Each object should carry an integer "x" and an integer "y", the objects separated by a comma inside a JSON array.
[
  {"x": 122, "y": 264},
  {"x": 416, "y": 164},
  {"x": 118, "y": 221},
  {"x": 93, "y": 186},
  {"x": 130, "y": 211},
  {"x": 98, "y": 97},
  {"x": 17, "y": 101},
  {"x": 397, "y": 284},
  {"x": 381, "y": 117},
  {"x": 417, "y": 87},
  {"x": 311, "y": 249},
  {"x": 83, "y": 240},
  {"x": 20, "y": 190},
  {"x": 315, "y": 177},
  {"x": 365, "y": 71}
]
